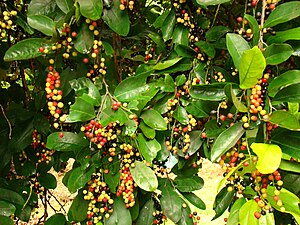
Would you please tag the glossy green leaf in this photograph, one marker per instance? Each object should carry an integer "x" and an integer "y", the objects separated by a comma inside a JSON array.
[
  {"x": 180, "y": 80},
  {"x": 166, "y": 64},
  {"x": 6, "y": 208},
  {"x": 144, "y": 176},
  {"x": 84, "y": 39},
  {"x": 293, "y": 108},
  {"x": 69, "y": 142},
  {"x": 11, "y": 196},
  {"x": 269, "y": 157},
  {"x": 154, "y": 120},
  {"x": 252, "y": 66},
  {"x": 290, "y": 201},
  {"x": 288, "y": 78},
  {"x": 78, "y": 178},
  {"x": 283, "y": 13},
  {"x": 158, "y": 41},
  {"x": 78, "y": 209},
  {"x": 226, "y": 140},
  {"x": 196, "y": 142},
  {"x": 171, "y": 203},
  {"x": 91, "y": 8},
  {"x": 181, "y": 115},
  {"x": 147, "y": 131},
  {"x": 168, "y": 25},
  {"x": 199, "y": 108},
  {"x": 277, "y": 53},
  {"x": 233, "y": 217},
  {"x": 64, "y": 5},
  {"x": 47, "y": 180},
  {"x": 285, "y": 119},
  {"x": 82, "y": 110},
  {"x": 195, "y": 200},
  {"x": 236, "y": 46},
  {"x": 57, "y": 219},
  {"x": 145, "y": 216},
  {"x": 120, "y": 215},
  {"x": 180, "y": 35},
  {"x": 216, "y": 32},
  {"x": 112, "y": 181},
  {"x": 160, "y": 19},
  {"x": 184, "y": 51},
  {"x": 290, "y": 166},
  {"x": 26, "y": 49},
  {"x": 185, "y": 217},
  {"x": 189, "y": 184},
  {"x": 254, "y": 27},
  {"x": 41, "y": 7},
  {"x": 207, "y": 48},
  {"x": 4, "y": 220},
  {"x": 211, "y": 2},
  {"x": 222, "y": 201},
  {"x": 116, "y": 19},
  {"x": 290, "y": 93},
  {"x": 168, "y": 85},
  {"x": 237, "y": 103},
  {"x": 22, "y": 23},
  {"x": 41, "y": 23},
  {"x": 212, "y": 92},
  {"x": 149, "y": 149},
  {"x": 282, "y": 36}
]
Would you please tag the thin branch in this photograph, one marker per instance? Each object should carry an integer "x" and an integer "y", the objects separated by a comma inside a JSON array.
[
  {"x": 216, "y": 14},
  {"x": 62, "y": 207},
  {"x": 25, "y": 86},
  {"x": 263, "y": 13},
  {"x": 8, "y": 122},
  {"x": 119, "y": 70}
]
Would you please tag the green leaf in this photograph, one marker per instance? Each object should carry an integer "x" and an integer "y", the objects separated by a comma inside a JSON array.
[
  {"x": 78, "y": 209},
  {"x": 82, "y": 110},
  {"x": 283, "y": 13},
  {"x": 69, "y": 142},
  {"x": 236, "y": 46},
  {"x": 78, "y": 178},
  {"x": 211, "y": 2},
  {"x": 222, "y": 201},
  {"x": 154, "y": 120},
  {"x": 189, "y": 184},
  {"x": 181, "y": 35},
  {"x": 184, "y": 51},
  {"x": 64, "y": 5},
  {"x": 47, "y": 180},
  {"x": 246, "y": 213},
  {"x": 80, "y": 85},
  {"x": 277, "y": 53},
  {"x": 233, "y": 217},
  {"x": 149, "y": 149},
  {"x": 181, "y": 115},
  {"x": 199, "y": 108},
  {"x": 168, "y": 25},
  {"x": 22, "y": 23},
  {"x": 290, "y": 93},
  {"x": 215, "y": 33},
  {"x": 288, "y": 78},
  {"x": 145, "y": 216},
  {"x": 112, "y": 181},
  {"x": 293, "y": 108},
  {"x": 57, "y": 219},
  {"x": 237, "y": 103},
  {"x": 11, "y": 196},
  {"x": 41, "y": 23},
  {"x": 269, "y": 157},
  {"x": 168, "y": 85},
  {"x": 290, "y": 201},
  {"x": 289, "y": 144},
  {"x": 196, "y": 142},
  {"x": 251, "y": 68},
  {"x": 144, "y": 176},
  {"x": 170, "y": 202},
  {"x": 147, "y": 131},
  {"x": 6, "y": 220},
  {"x": 207, "y": 48},
  {"x": 180, "y": 80},
  {"x": 166, "y": 64},
  {"x": 195, "y": 200},
  {"x": 185, "y": 217},
  {"x": 282, "y": 36},
  {"x": 41, "y": 7},
  {"x": 285, "y": 119},
  {"x": 91, "y": 8},
  {"x": 120, "y": 215},
  {"x": 254, "y": 27},
  {"x": 6, "y": 209},
  {"x": 26, "y": 49},
  {"x": 108, "y": 48},
  {"x": 211, "y": 92},
  {"x": 290, "y": 166},
  {"x": 116, "y": 19},
  {"x": 84, "y": 39},
  {"x": 158, "y": 41},
  {"x": 161, "y": 18},
  {"x": 226, "y": 140}
]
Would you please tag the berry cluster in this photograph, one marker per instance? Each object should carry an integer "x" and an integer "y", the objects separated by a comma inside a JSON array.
[
  {"x": 100, "y": 197},
  {"x": 160, "y": 168},
  {"x": 43, "y": 154},
  {"x": 149, "y": 53},
  {"x": 196, "y": 218},
  {"x": 54, "y": 96},
  {"x": 125, "y": 3},
  {"x": 6, "y": 22},
  {"x": 158, "y": 214}
]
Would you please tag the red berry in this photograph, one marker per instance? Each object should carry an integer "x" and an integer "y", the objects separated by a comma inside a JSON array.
[
  {"x": 254, "y": 3},
  {"x": 61, "y": 134},
  {"x": 272, "y": 6},
  {"x": 74, "y": 34},
  {"x": 257, "y": 215},
  {"x": 41, "y": 49},
  {"x": 239, "y": 19},
  {"x": 85, "y": 60}
]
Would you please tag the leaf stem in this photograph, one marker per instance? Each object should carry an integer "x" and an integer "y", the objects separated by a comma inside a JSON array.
[
  {"x": 263, "y": 13},
  {"x": 8, "y": 122},
  {"x": 216, "y": 14}
]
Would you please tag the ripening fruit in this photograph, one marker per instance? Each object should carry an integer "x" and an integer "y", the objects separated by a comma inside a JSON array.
[
  {"x": 85, "y": 60},
  {"x": 257, "y": 215}
]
